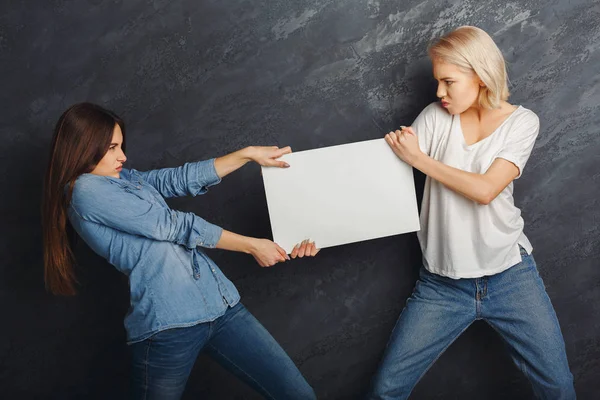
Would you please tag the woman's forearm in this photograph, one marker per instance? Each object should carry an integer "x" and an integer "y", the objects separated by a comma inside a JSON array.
[
  {"x": 234, "y": 242},
  {"x": 233, "y": 161},
  {"x": 471, "y": 185}
]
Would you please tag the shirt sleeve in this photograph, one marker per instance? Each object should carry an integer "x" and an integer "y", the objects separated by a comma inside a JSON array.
[
  {"x": 102, "y": 202},
  {"x": 190, "y": 179},
  {"x": 423, "y": 126},
  {"x": 520, "y": 141}
]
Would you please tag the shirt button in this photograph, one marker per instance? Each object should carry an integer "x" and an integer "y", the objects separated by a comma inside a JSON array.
[{"x": 197, "y": 276}]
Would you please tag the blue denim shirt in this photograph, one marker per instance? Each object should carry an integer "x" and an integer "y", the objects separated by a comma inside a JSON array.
[{"x": 172, "y": 282}]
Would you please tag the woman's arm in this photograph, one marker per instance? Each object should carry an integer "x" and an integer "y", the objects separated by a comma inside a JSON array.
[
  {"x": 98, "y": 200},
  {"x": 263, "y": 155},
  {"x": 192, "y": 179},
  {"x": 266, "y": 252},
  {"x": 482, "y": 188}
]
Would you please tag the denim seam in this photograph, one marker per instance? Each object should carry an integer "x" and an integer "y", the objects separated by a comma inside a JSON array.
[
  {"x": 210, "y": 329},
  {"x": 438, "y": 356},
  {"x": 477, "y": 299},
  {"x": 244, "y": 372},
  {"x": 146, "y": 362},
  {"x": 485, "y": 288}
]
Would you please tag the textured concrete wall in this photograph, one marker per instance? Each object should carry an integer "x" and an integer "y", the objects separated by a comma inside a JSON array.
[{"x": 197, "y": 79}]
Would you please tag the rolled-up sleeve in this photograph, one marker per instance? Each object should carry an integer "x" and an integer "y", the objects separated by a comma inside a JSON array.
[
  {"x": 100, "y": 201},
  {"x": 520, "y": 141},
  {"x": 190, "y": 179}
]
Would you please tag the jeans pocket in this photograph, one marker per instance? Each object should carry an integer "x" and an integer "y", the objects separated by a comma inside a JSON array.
[
  {"x": 425, "y": 274},
  {"x": 527, "y": 264},
  {"x": 523, "y": 251}
]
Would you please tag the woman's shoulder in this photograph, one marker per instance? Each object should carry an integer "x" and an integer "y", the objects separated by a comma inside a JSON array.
[
  {"x": 94, "y": 193},
  {"x": 91, "y": 180},
  {"x": 436, "y": 113},
  {"x": 434, "y": 116},
  {"x": 525, "y": 117},
  {"x": 88, "y": 180},
  {"x": 87, "y": 185},
  {"x": 85, "y": 182},
  {"x": 435, "y": 108},
  {"x": 527, "y": 113}
]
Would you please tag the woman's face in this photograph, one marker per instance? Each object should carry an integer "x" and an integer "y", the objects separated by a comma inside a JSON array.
[
  {"x": 458, "y": 90},
  {"x": 111, "y": 163}
]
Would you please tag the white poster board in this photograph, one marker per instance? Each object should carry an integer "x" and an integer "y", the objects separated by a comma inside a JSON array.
[{"x": 341, "y": 194}]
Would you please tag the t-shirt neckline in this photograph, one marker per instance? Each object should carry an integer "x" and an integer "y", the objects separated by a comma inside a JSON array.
[{"x": 473, "y": 145}]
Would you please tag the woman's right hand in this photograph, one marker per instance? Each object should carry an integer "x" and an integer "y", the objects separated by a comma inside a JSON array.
[{"x": 268, "y": 253}]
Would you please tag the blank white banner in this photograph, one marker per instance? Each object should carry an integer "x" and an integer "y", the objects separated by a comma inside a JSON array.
[{"x": 341, "y": 194}]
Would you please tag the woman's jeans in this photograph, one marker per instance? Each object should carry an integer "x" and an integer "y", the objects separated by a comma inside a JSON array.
[
  {"x": 513, "y": 302},
  {"x": 163, "y": 362}
]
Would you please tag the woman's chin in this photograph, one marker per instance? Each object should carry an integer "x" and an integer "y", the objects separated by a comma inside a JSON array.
[{"x": 454, "y": 110}]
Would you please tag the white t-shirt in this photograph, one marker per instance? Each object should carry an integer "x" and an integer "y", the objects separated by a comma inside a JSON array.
[{"x": 459, "y": 237}]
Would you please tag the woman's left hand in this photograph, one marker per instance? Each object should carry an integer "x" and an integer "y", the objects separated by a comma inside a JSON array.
[
  {"x": 305, "y": 248},
  {"x": 267, "y": 155},
  {"x": 405, "y": 144}
]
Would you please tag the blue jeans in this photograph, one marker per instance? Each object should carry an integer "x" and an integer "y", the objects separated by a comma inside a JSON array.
[
  {"x": 513, "y": 302},
  {"x": 163, "y": 362}
]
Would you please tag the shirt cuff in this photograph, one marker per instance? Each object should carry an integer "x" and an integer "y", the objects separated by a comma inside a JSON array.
[
  {"x": 204, "y": 176},
  {"x": 211, "y": 236},
  {"x": 514, "y": 160}
]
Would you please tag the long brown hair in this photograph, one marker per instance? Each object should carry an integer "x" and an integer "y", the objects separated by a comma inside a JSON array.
[{"x": 82, "y": 137}]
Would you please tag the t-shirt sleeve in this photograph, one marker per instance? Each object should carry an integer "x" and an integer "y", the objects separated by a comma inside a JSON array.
[
  {"x": 520, "y": 141},
  {"x": 423, "y": 126}
]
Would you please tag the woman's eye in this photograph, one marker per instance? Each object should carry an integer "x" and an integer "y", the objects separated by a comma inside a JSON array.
[{"x": 449, "y": 83}]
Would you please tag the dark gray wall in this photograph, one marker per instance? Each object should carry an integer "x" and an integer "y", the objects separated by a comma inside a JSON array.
[{"x": 197, "y": 79}]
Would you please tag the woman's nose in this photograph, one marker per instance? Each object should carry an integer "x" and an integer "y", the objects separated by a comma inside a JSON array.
[{"x": 441, "y": 92}]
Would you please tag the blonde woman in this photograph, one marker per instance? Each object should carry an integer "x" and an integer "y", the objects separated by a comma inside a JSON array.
[{"x": 477, "y": 261}]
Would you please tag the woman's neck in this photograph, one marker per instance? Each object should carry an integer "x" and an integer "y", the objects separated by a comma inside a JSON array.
[{"x": 482, "y": 113}]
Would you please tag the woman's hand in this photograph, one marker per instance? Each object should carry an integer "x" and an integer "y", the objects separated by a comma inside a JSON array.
[
  {"x": 304, "y": 248},
  {"x": 267, "y": 155},
  {"x": 267, "y": 253},
  {"x": 405, "y": 144}
]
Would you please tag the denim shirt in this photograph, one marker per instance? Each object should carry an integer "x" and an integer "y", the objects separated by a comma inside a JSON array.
[{"x": 172, "y": 282}]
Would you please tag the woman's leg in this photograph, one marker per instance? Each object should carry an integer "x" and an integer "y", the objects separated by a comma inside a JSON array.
[
  {"x": 437, "y": 312},
  {"x": 163, "y": 362},
  {"x": 519, "y": 308},
  {"x": 245, "y": 348}
]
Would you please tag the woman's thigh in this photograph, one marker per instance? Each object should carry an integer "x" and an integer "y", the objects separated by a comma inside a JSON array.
[
  {"x": 519, "y": 308},
  {"x": 163, "y": 362},
  {"x": 437, "y": 312},
  {"x": 244, "y": 347}
]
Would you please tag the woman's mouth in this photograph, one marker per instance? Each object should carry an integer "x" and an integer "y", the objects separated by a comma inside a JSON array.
[{"x": 445, "y": 104}]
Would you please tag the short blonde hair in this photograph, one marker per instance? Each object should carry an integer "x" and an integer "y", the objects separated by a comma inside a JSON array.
[{"x": 472, "y": 49}]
